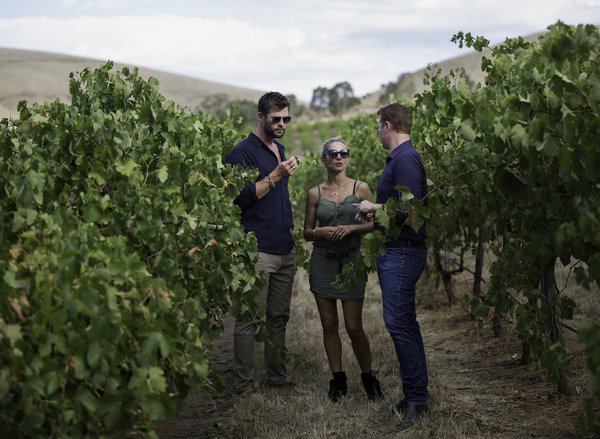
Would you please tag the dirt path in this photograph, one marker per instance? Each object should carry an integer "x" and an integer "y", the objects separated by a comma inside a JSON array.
[
  {"x": 204, "y": 415},
  {"x": 487, "y": 385},
  {"x": 478, "y": 382}
]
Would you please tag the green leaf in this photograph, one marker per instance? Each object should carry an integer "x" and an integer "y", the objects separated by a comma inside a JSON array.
[
  {"x": 96, "y": 176},
  {"x": 519, "y": 135},
  {"x": 192, "y": 221},
  {"x": 549, "y": 146},
  {"x": 10, "y": 280},
  {"x": 156, "y": 379},
  {"x": 52, "y": 383},
  {"x": 88, "y": 400},
  {"x": 13, "y": 333},
  {"x": 127, "y": 167},
  {"x": 467, "y": 131},
  {"x": 463, "y": 89},
  {"x": 5, "y": 382},
  {"x": 382, "y": 218},
  {"x": 594, "y": 93},
  {"x": 153, "y": 409},
  {"x": 93, "y": 353},
  {"x": 163, "y": 174},
  {"x": 39, "y": 119}
]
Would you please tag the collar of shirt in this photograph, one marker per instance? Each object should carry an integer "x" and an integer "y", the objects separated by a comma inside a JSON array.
[
  {"x": 258, "y": 142},
  {"x": 397, "y": 150}
]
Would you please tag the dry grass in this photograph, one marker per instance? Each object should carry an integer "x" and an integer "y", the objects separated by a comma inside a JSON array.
[
  {"x": 306, "y": 410},
  {"x": 479, "y": 388}
]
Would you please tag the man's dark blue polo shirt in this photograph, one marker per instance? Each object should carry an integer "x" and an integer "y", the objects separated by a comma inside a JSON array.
[
  {"x": 404, "y": 166},
  {"x": 270, "y": 218}
]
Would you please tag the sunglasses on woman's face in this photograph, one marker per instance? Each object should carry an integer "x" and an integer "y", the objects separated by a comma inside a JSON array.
[{"x": 333, "y": 153}]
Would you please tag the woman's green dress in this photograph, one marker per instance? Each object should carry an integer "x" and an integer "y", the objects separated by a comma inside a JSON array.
[{"x": 329, "y": 258}]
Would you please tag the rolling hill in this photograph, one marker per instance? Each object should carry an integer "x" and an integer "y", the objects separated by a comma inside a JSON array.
[{"x": 42, "y": 76}]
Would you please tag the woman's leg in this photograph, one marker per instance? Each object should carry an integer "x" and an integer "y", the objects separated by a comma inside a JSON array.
[
  {"x": 331, "y": 337},
  {"x": 360, "y": 343},
  {"x": 360, "y": 346},
  {"x": 333, "y": 347}
]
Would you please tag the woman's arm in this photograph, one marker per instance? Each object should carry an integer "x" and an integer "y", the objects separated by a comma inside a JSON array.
[{"x": 310, "y": 216}]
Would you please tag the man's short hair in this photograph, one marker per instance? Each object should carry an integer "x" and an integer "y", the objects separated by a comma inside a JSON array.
[
  {"x": 272, "y": 101},
  {"x": 398, "y": 116}
]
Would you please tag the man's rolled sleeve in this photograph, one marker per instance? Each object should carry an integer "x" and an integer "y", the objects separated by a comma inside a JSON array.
[{"x": 247, "y": 196}]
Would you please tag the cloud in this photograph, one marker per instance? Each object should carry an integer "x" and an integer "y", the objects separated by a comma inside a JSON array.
[
  {"x": 106, "y": 5},
  {"x": 201, "y": 47},
  {"x": 292, "y": 48}
]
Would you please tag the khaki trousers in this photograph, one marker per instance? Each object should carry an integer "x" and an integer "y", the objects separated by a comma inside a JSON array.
[{"x": 277, "y": 296}]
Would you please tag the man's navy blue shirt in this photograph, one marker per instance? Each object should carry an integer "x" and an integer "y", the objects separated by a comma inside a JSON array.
[
  {"x": 403, "y": 166},
  {"x": 270, "y": 218}
]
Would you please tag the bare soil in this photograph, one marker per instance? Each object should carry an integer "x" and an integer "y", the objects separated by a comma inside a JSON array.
[{"x": 488, "y": 384}]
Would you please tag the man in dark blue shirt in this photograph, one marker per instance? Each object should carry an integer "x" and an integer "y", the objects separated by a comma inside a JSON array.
[
  {"x": 401, "y": 266},
  {"x": 267, "y": 212}
]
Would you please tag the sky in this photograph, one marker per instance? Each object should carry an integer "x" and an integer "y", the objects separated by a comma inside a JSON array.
[{"x": 289, "y": 46}]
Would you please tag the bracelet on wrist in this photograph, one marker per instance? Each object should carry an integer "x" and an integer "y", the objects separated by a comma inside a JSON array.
[{"x": 270, "y": 182}]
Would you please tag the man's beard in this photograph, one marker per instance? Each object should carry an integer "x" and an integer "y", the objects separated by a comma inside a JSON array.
[{"x": 271, "y": 132}]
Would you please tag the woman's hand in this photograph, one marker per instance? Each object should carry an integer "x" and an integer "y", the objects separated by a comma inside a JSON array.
[
  {"x": 335, "y": 233},
  {"x": 342, "y": 231}
]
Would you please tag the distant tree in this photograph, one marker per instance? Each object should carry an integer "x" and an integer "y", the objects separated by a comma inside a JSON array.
[
  {"x": 341, "y": 97},
  {"x": 336, "y": 99},
  {"x": 297, "y": 108},
  {"x": 320, "y": 99}
]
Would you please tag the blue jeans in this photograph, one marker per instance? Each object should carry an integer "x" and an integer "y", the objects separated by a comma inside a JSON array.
[{"x": 399, "y": 270}]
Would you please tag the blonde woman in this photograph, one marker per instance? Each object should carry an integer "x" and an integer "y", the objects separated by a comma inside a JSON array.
[{"x": 336, "y": 234}]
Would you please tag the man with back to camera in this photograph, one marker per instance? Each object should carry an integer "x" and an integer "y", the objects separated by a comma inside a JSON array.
[
  {"x": 267, "y": 212},
  {"x": 401, "y": 266}
]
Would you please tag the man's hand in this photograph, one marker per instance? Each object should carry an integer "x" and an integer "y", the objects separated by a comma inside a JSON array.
[
  {"x": 287, "y": 167},
  {"x": 365, "y": 210}
]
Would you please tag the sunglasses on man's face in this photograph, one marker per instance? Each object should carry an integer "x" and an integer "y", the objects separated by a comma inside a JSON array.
[
  {"x": 333, "y": 153},
  {"x": 277, "y": 119}
]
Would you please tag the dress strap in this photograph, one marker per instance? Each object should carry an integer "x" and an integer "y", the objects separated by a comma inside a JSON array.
[
  {"x": 319, "y": 190},
  {"x": 355, "y": 186}
]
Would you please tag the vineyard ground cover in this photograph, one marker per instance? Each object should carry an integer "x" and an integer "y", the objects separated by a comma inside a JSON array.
[{"x": 478, "y": 385}]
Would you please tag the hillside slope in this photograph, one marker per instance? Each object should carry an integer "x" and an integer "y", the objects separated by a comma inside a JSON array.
[
  {"x": 409, "y": 84},
  {"x": 42, "y": 76}
]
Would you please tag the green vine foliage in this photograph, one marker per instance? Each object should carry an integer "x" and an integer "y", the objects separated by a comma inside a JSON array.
[
  {"x": 120, "y": 252},
  {"x": 519, "y": 154}
]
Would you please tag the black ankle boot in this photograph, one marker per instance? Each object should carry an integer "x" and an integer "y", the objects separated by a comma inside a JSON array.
[
  {"x": 337, "y": 386},
  {"x": 371, "y": 385}
]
